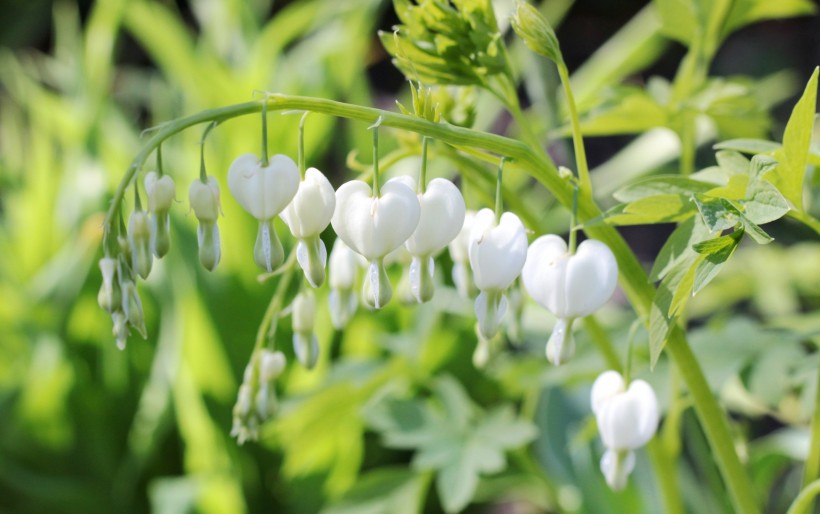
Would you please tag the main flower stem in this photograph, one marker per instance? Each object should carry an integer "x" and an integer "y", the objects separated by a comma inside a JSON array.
[
  {"x": 535, "y": 163},
  {"x": 577, "y": 137}
]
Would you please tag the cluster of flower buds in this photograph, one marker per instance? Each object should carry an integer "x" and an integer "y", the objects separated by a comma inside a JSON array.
[
  {"x": 627, "y": 419},
  {"x": 147, "y": 236},
  {"x": 256, "y": 401}
]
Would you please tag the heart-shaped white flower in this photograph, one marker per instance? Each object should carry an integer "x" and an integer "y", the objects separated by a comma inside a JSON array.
[
  {"x": 160, "y": 191},
  {"x": 307, "y": 215},
  {"x": 263, "y": 191},
  {"x": 373, "y": 227},
  {"x": 497, "y": 249},
  {"x": 204, "y": 199},
  {"x": 627, "y": 417},
  {"x": 570, "y": 286},
  {"x": 310, "y": 210}
]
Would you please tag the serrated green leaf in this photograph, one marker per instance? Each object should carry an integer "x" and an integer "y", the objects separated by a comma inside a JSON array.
[
  {"x": 456, "y": 483},
  {"x": 677, "y": 245},
  {"x": 716, "y": 252},
  {"x": 456, "y": 403},
  {"x": 716, "y": 213},
  {"x": 382, "y": 491},
  {"x": 750, "y": 146},
  {"x": 660, "y": 185},
  {"x": 789, "y": 174}
]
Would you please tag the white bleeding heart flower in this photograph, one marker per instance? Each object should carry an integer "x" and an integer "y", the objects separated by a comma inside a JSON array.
[
  {"x": 161, "y": 193},
  {"x": 343, "y": 268},
  {"x": 627, "y": 419},
  {"x": 497, "y": 253},
  {"x": 441, "y": 220},
  {"x": 307, "y": 215},
  {"x": 204, "y": 199},
  {"x": 460, "y": 254},
  {"x": 568, "y": 285},
  {"x": 109, "y": 297},
  {"x": 375, "y": 226},
  {"x": 264, "y": 192},
  {"x": 271, "y": 364},
  {"x": 303, "y": 317}
]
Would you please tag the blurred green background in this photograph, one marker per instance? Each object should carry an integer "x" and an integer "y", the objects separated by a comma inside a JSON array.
[{"x": 87, "y": 428}]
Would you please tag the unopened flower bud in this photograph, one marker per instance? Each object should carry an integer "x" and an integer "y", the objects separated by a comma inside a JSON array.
[
  {"x": 109, "y": 296},
  {"x": 459, "y": 253},
  {"x": 343, "y": 267},
  {"x": 271, "y": 364},
  {"x": 161, "y": 193},
  {"x": 139, "y": 240},
  {"x": 303, "y": 317},
  {"x": 132, "y": 307},
  {"x": 204, "y": 198},
  {"x": 120, "y": 330}
]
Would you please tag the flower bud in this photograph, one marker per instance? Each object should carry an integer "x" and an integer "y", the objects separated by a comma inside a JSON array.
[
  {"x": 536, "y": 32},
  {"x": 120, "y": 330},
  {"x": 109, "y": 296},
  {"x": 271, "y": 364},
  {"x": 204, "y": 198},
  {"x": 160, "y": 190},
  {"x": 459, "y": 252},
  {"x": 139, "y": 240},
  {"x": 132, "y": 307},
  {"x": 161, "y": 193},
  {"x": 344, "y": 265},
  {"x": 303, "y": 317}
]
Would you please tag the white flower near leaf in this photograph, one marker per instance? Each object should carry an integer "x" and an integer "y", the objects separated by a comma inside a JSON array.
[
  {"x": 627, "y": 419},
  {"x": 204, "y": 200},
  {"x": 264, "y": 192},
  {"x": 375, "y": 226},
  {"x": 442, "y": 212},
  {"x": 161, "y": 193},
  {"x": 498, "y": 249},
  {"x": 568, "y": 285},
  {"x": 307, "y": 215}
]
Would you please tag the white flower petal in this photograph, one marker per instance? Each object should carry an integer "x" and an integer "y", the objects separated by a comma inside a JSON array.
[
  {"x": 263, "y": 191},
  {"x": 311, "y": 209},
  {"x": 497, "y": 251},
  {"x": 442, "y": 217}
]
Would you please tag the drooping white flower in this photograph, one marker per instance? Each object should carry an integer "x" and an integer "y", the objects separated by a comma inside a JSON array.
[
  {"x": 441, "y": 218},
  {"x": 264, "y": 192},
  {"x": 307, "y": 215},
  {"x": 497, "y": 253},
  {"x": 109, "y": 297},
  {"x": 271, "y": 364},
  {"x": 204, "y": 199},
  {"x": 568, "y": 285},
  {"x": 161, "y": 193},
  {"x": 460, "y": 254},
  {"x": 375, "y": 226},
  {"x": 303, "y": 317},
  {"x": 627, "y": 419},
  {"x": 343, "y": 268}
]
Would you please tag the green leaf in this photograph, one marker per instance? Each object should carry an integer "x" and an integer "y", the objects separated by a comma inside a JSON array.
[
  {"x": 383, "y": 491},
  {"x": 761, "y": 163},
  {"x": 764, "y": 203},
  {"x": 716, "y": 252},
  {"x": 745, "y": 12},
  {"x": 624, "y": 110},
  {"x": 661, "y": 185},
  {"x": 677, "y": 245},
  {"x": 750, "y": 146},
  {"x": 789, "y": 174},
  {"x": 452, "y": 436},
  {"x": 716, "y": 213},
  {"x": 678, "y": 19},
  {"x": 652, "y": 209},
  {"x": 732, "y": 161}
]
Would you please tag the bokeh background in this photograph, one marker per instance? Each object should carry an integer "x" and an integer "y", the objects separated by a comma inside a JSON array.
[{"x": 87, "y": 428}]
